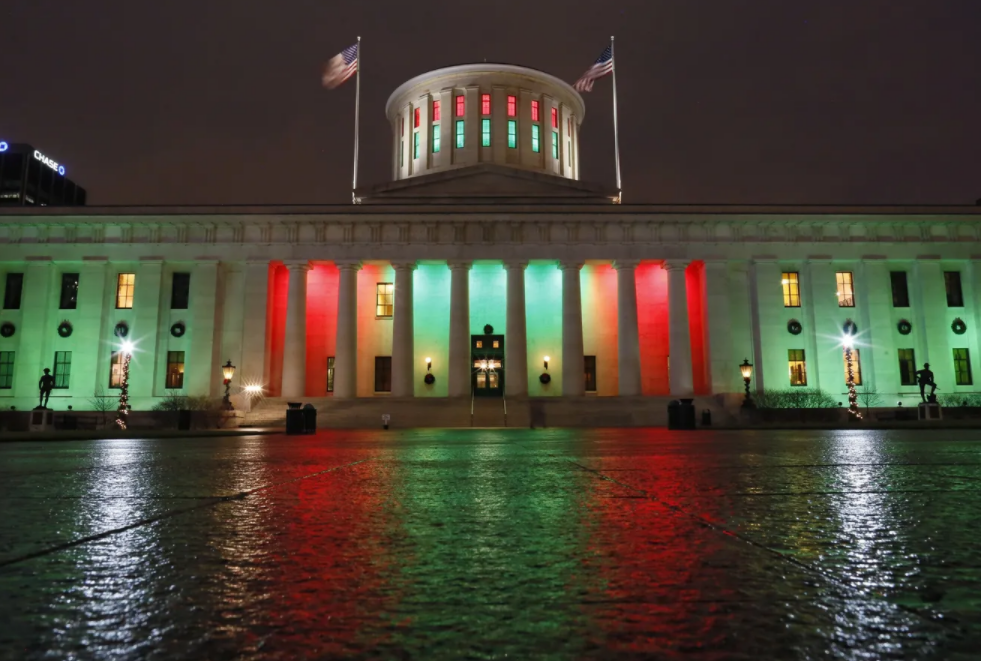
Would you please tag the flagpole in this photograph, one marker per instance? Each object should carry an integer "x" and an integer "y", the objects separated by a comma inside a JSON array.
[
  {"x": 616, "y": 133},
  {"x": 357, "y": 117}
]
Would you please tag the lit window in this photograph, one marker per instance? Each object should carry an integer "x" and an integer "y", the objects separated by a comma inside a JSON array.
[
  {"x": 384, "y": 299},
  {"x": 900, "y": 289},
  {"x": 962, "y": 367},
  {"x": 590, "y": 365},
  {"x": 459, "y": 134},
  {"x": 479, "y": 344},
  {"x": 461, "y": 105},
  {"x": 485, "y": 132},
  {"x": 907, "y": 367},
  {"x": 125, "y": 284},
  {"x": 512, "y": 106},
  {"x": 175, "y": 370},
  {"x": 791, "y": 289},
  {"x": 535, "y": 139},
  {"x": 555, "y": 118},
  {"x": 955, "y": 296},
  {"x": 435, "y": 111},
  {"x": 846, "y": 291},
  {"x": 69, "y": 291},
  {"x": 495, "y": 344},
  {"x": 383, "y": 374},
  {"x": 415, "y": 145},
  {"x": 415, "y": 123},
  {"x": 62, "y": 369},
  {"x": 330, "y": 374},
  {"x": 798, "y": 367},
  {"x": 534, "y": 111},
  {"x": 856, "y": 368},
  {"x": 555, "y": 145},
  {"x": 6, "y": 370},
  {"x": 435, "y": 138},
  {"x": 485, "y": 104},
  {"x": 512, "y": 133},
  {"x": 116, "y": 369}
]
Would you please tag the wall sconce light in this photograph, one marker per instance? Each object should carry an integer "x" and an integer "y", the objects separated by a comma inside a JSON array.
[
  {"x": 429, "y": 379},
  {"x": 546, "y": 363},
  {"x": 545, "y": 378},
  {"x": 429, "y": 364}
]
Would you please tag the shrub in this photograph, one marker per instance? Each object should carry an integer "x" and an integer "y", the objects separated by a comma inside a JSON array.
[
  {"x": 953, "y": 399},
  {"x": 795, "y": 398}
]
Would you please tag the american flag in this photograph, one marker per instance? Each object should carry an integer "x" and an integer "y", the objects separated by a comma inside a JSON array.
[
  {"x": 341, "y": 67},
  {"x": 601, "y": 67}
]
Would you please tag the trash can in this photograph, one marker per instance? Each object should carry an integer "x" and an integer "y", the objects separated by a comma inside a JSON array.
[
  {"x": 295, "y": 422},
  {"x": 309, "y": 419},
  {"x": 674, "y": 414},
  {"x": 183, "y": 420},
  {"x": 686, "y": 413},
  {"x": 706, "y": 418}
]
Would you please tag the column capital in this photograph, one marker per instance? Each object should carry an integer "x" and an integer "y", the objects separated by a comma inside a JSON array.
[
  {"x": 459, "y": 265},
  {"x": 625, "y": 264},
  {"x": 675, "y": 264},
  {"x": 348, "y": 264},
  {"x": 515, "y": 264},
  {"x": 297, "y": 264},
  {"x": 404, "y": 266},
  {"x": 570, "y": 265}
]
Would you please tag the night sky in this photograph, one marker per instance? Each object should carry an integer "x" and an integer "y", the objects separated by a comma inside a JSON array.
[{"x": 722, "y": 101}]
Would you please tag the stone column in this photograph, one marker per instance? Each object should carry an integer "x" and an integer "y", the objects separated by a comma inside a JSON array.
[
  {"x": 458, "y": 378},
  {"x": 679, "y": 336},
  {"x": 295, "y": 345},
  {"x": 573, "y": 370},
  {"x": 346, "y": 346},
  {"x": 149, "y": 364},
  {"x": 402, "y": 340},
  {"x": 253, "y": 367},
  {"x": 723, "y": 366},
  {"x": 628, "y": 339},
  {"x": 516, "y": 339},
  {"x": 38, "y": 301}
]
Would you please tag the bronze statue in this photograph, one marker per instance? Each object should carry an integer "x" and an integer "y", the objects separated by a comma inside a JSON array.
[
  {"x": 924, "y": 378},
  {"x": 45, "y": 385}
]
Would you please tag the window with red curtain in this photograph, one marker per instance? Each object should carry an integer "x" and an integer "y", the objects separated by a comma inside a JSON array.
[
  {"x": 416, "y": 125},
  {"x": 485, "y": 104},
  {"x": 461, "y": 105},
  {"x": 435, "y": 111},
  {"x": 534, "y": 111},
  {"x": 555, "y": 118},
  {"x": 512, "y": 106}
]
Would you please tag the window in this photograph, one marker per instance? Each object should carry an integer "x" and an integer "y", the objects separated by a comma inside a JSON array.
[
  {"x": 69, "y": 291},
  {"x": 856, "y": 367},
  {"x": 384, "y": 299},
  {"x": 62, "y": 369},
  {"x": 512, "y": 133},
  {"x": 415, "y": 145},
  {"x": 900, "y": 290},
  {"x": 479, "y": 344},
  {"x": 116, "y": 369},
  {"x": 125, "y": 284},
  {"x": 435, "y": 138},
  {"x": 846, "y": 292},
  {"x": 485, "y": 104},
  {"x": 907, "y": 367},
  {"x": 955, "y": 297},
  {"x": 12, "y": 291},
  {"x": 416, "y": 118},
  {"x": 180, "y": 291},
  {"x": 485, "y": 132},
  {"x": 590, "y": 362},
  {"x": 534, "y": 111},
  {"x": 555, "y": 118},
  {"x": 175, "y": 370},
  {"x": 798, "y": 367},
  {"x": 512, "y": 106},
  {"x": 401, "y": 125},
  {"x": 791, "y": 289},
  {"x": 535, "y": 139},
  {"x": 555, "y": 145},
  {"x": 459, "y": 134},
  {"x": 330, "y": 374},
  {"x": 568, "y": 126},
  {"x": 461, "y": 105},
  {"x": 383, "y": 374},
  {"x": 962, "y": 367},
  {"x": 435, "y": 111},
  {"x": 6, "y": 370}
]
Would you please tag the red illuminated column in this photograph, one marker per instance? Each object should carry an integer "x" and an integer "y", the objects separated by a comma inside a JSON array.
[
  {"x": 295, "y": 347},
  {"x": 573, "y": 375},
  {"x": 402, "y": 340},
  {"x": 458, "y": 383},
  {"x": 516, "y": 340},
  {"x": 679, "y": 335},
  {"x": 628, "y": 340},
  {"x": 346, "y": 346}
]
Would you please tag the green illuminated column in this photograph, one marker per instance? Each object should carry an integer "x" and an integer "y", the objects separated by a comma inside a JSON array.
[
  {"x": 679, "y": 335},
  {"x": 254, "y": 322},
  {"x": 402, "y": 338},
  {"x": 91, "y": 364},
  {"x": 145, "y": 317},
  {"x": 930, "y": 300},
  {"x": 573, "y": 379},
  {"x": 346, "y": 362},
  {"x": 459, "y": 372},
  {"x": 36, "y": 325},
  {"x": 202, "y": 374},
  {"x": 516, "y": 339}
]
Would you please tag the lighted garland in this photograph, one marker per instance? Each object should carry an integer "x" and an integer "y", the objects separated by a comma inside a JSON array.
[
  {"x": 65, "y": 329},
  {"x": 852, "y": 395},
  {"x": 958, "y": 326},
  {"x": 904, "y": 327},
  {"x": 7, "y": 329},
  {"x": 121, "y": 329},
  {"x": 794, "y": 327},
  {"x": 122, "y": 413}
]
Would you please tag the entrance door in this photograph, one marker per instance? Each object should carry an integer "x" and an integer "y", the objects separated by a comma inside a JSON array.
[{"x": 487, "y": 354}]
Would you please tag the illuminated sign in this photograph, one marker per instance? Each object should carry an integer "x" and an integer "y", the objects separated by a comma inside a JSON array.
[
  {"x": 60, "y": 169},
  {"x": 3, "y": 146}
]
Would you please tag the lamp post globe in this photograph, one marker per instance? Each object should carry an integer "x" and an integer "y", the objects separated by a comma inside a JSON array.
[
  {"x": 227, "y": 372},
  {"x": 746, "y": 370}
]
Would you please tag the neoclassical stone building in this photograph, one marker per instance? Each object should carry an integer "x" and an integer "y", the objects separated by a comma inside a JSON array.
[{"x": 482, "y": 260}]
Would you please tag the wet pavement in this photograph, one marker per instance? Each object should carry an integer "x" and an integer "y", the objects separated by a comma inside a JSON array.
[{"x": 442, "y": 544}]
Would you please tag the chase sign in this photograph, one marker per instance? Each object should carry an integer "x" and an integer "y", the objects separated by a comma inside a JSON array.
[{"x": 54, "y": 165}]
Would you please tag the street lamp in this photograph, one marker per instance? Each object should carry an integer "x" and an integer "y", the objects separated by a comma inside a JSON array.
[
  {"x": 227, "y": 371},
  {"x": 746, "y": 369}
]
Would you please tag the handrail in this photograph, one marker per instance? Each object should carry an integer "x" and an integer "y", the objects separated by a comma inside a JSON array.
[
  {"x": 471, "y": 407},
  {"x": 504, "y": 399}
]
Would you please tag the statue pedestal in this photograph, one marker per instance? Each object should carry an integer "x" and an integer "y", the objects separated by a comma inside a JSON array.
[
  {"x": 929, "y": 411},
  {"x": 41, "y": 420}
]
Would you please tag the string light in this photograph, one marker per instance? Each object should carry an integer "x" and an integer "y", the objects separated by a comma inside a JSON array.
[{"x": 122, "y": 413}]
